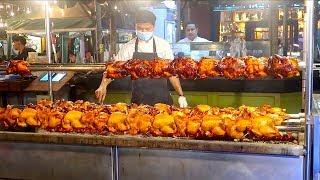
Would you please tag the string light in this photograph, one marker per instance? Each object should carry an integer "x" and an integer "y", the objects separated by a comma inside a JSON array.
[
  {"x": 115, "y": 7},
  {"x": 11, "y": 13}
]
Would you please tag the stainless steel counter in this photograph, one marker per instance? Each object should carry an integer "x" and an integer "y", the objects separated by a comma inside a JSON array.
[
  {"x": 53, "y": 156},
  {"x": 289, "y": 149}
]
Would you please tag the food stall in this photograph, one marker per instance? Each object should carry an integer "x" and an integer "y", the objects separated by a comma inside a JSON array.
[{"x": 59, "y": 153}]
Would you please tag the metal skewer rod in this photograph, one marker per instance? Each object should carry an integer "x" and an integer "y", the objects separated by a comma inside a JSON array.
[{"x": 48, "y": 45}]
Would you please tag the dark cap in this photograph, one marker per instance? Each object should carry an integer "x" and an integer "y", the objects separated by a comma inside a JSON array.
[{"x": 145, "y": 16}]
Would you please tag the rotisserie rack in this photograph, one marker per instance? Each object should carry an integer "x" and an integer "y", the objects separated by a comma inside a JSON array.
[
  {"x": 201, "y": 122},
  {"x": 186, "y": 68}
]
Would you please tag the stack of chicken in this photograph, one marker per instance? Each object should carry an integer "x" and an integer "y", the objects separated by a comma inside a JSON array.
[
  {"x": 18, "y": 67},
  {"x": 186, "y": 68},
  {"x": 199, "y": 122}
]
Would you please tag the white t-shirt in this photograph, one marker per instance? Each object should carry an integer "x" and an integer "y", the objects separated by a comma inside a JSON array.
[
  {"x": 163, "y": 49},
  {"x": 197, "y": 39},
  {"x": 196, "y": 55}
]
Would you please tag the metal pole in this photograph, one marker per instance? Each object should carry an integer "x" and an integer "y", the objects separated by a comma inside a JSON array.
[
  {"x": 309, "y": 57},
  {"x": 115, "y": 162},
  {"x": 48, "y": 44},
  {"x": 178, "y": 21},
  {"x": 285, "y": 30}
]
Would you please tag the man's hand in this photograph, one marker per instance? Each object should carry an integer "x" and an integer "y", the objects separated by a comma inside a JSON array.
[
  {"x": 182, "y": 102},
  {"x": 101, "y": 94}
]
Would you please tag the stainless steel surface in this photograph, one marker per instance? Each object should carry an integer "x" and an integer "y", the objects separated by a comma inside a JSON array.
[
  {"x": 316, "y": 147},
  {"x": 51, "y": 162},
  {"x": 309, "y": 58},
  {"x": 48, "y": 45},
  {"x": 285, "y": 149},
  {"x": 137, "y": 164},
  {"x": 64, "y": 67}
]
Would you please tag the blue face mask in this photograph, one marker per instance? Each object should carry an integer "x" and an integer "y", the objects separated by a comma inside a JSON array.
[{"x": 144, "y": 36}]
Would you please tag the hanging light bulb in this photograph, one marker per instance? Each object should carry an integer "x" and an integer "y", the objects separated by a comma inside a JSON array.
[
  {"x": 115, "y": 7},
  {"x": 55, "y": 1},
  {"x": 28, "y": 11},
  {"x": 11, "y": 13},
  {"x": 1, "y": 6},
  {"x": 5, "y": 24}
]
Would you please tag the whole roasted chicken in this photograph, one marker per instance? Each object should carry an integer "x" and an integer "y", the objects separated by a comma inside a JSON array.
[
  {"x": 185, "y": 68},
  {"x": 115, "y": 69},
  {"x": 161, "y": 68},
  {"x": 207, "y": 68},
  {"x": 255, "y": 67},
  {"x": 138, "y": 68},
  {"x": 18, "y": 67},
  {"x": 283, "y": 67},
  {"x": 231, "y": 68}
]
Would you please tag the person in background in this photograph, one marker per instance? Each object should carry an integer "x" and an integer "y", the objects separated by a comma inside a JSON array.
[
  {"x": 72, "y": 57},
  {"x": 146, "y": 46},
  {"x": 238, "y": 46},
  {"x": 19, "y": 44},
  {"x": 191, "y": 33},
  {"x": 88, "y": 57}
]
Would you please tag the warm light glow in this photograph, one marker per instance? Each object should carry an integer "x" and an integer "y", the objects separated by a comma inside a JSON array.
[
  {"x": 115, "y": 7},
  {"x": 11, "y": 13},
  {"x": 28, "y": 11}
]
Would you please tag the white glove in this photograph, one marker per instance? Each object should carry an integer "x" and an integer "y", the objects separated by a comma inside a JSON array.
[
  {"x": 302, "y": 65},
  {"x": 182, "y": 102}
]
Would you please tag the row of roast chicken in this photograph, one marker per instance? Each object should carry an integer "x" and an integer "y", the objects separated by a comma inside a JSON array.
[
  {"x": 229, "y": 67},
  {"x": 157, "y": 120}
]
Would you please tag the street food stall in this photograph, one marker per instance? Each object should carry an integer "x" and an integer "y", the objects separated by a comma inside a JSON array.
[{"x": 244, "y": 121}]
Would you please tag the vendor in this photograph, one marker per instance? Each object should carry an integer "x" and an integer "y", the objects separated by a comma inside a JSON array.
[
  {"x": 19, "y": 44},
  {"x": 146, "y": 46},
  {"x": 191, "y": 33}
]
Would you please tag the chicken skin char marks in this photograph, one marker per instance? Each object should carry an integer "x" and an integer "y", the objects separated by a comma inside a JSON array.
[
  {"x": 115, "y": 70},
  {"x": 231, "y": 68},
  {"x": 202, "y": 121},
  {"x": 161, "y": 68},
  {"x": 18, "y": 67},
  {"x": 255, "y": 67},
  {"x": 185, "y": 68},
  {"x": 283, "y": 67},
  {"x": 207, "y": 68},
  {"x": 138, "y": 68}
]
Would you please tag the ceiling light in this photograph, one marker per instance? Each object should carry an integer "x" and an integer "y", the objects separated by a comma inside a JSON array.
[{"x": 28, "y": 11}]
